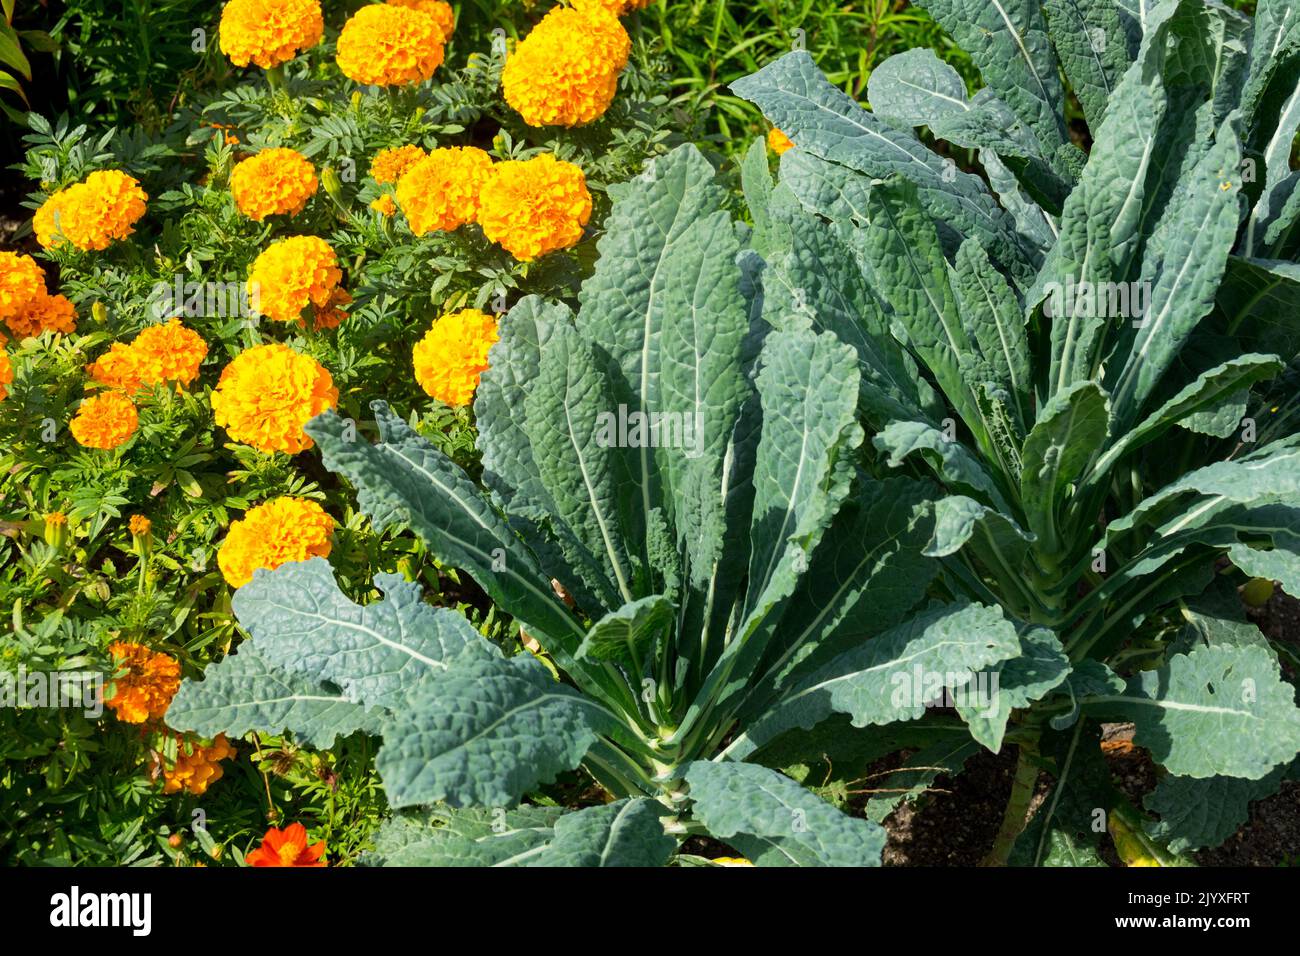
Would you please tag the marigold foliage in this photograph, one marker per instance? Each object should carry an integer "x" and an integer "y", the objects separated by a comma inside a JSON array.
[
  {"x": 105, "y": 421},
  {"x": 535, "y": 206},
  {"x": 293, "y": 273},
  {"x": 565, "y": 72},
  {"x": 146, "y": 683},
  {"x": 91, "y": 214},
  {"x": 385, "y": 45},
  {"x": 6, "y": 374},
  {"x": 441, "y": 191},
  {"x": 274, "y": 182},
  {"x": 266, "y": 395},
  {"x": 197, "y": 766},
  {"x": 287, "y": 847},
  {"x": 269, "y": 32},
  {"x": 389, "y": 164},
  {"x": 453, "y": 354},
  {"x": 21, "y": 280},
  {"x": 274, "y": 533}
]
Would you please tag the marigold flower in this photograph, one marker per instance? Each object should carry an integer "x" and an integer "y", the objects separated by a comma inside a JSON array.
[
  {"x": 385, "y": 205},
  {"x": 91, "y": 214},
  {"x": 169, "y": 353},
  {"x": 293, "y": 273},
  {"x": 105, "y": 421},
  {"x": 21, "y": 280},
  {"x": 54, "y": 529},
  {"x": 778, "y": 142},
  {"x": 197, "y": 766},
  {"x": 269, "y": 32},
  {"x": 287, "y": 847},
  {"x": 145, "y": 683},
  {"x": 565, "y": 72},
  {"x": 280, "y": 531},
  {"x": 385, "y": 45},
  {"x": 119, "y": 368},
  {"x": 6, "y": 374},
  {"x": 268, "y": 393},
  {"x": 274, "y": 182},
  {"x": 441, "y": 191},
  {"x": 44, "y": 313},
  {"x": 139, "y": 525},
  {"x": 389, "y": 164},
  {"x": 441, "y": 11},
  {"x": 453, "y": 354},
  {"x": 534, "y": 206}
]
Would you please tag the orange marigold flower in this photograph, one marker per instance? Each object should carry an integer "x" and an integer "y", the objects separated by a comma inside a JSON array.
[
  {"x": 105, "y": 421},
  {"x": 144, "y": 683},
  {"x": 389, "y": 164},
  {"x": 196, "y": 766},
  {"x": 385, "y": 45},
  {"x": 44, "y": 313},
  {"x": 534, "y": 206},
  {"x": 119, "y": 368},
  {"x": 139, "y": 525},
  {"x": 293, "y": 273},
  {"x": 778, "y": 142},
  {"x": 169, "y": 353},
  {"x": 453, "y": 354},
  {"x": 21, "y": 281},
  {"x": 268, "y": 393},
  {"x": 6, "y": 374},
  {"x": 565, "y": 72},
  {"x": 280, "y": 531},
  {"x": 91, "y": 214},
  {"x": 385, "y": 205},
  {"x": 440, "y": 10},
  {"x": 441, "y": 191},
  {"x": 269, "y": 32},
  {"x": 287, "y": 847},
  {"x": 274, "y": 182}
]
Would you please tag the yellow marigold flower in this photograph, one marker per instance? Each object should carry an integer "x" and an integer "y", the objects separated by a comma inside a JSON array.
[
  {"x": 145, "y": 683},
  {"x": 440, "y": 10},
  {"x": 21, "y": 281},
  {"x": 274, "y": 182},
  {"x": 389, "y": 164},
  {"x": 140, "y": 527},
  {"x": 169, "y": 353},
  {"x": 105, "y": 421},
  {"x": 385, "y": 205},
  {"x": 280, "y": 531},
  {"x": 453, "y": 354},
  {"x": 778, "y": 142},
  {"x": 93, "y": 213},
  {"x": 384, "y": 45},
  {"x": 6, "y": 374},
  {"x": 196, "y": 766},
  {"x": 268, "y": 393},
  {"x": 269, "y": 32},
  {"x": 293, "y": 273},
  {"x": 44, "y": 313},
  {"x": 441, "y": 191},
  {"x": 534, "y": 206},
  {"x": 565, "y": 72}
]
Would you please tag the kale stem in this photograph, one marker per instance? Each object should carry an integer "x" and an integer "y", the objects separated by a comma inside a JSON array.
[{"x": 1015, "y": 817}]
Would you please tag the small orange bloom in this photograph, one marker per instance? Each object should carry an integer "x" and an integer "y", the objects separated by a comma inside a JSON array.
[
  {"x": 287, "y": 847},
  {"x": 146, "y": 687}
]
